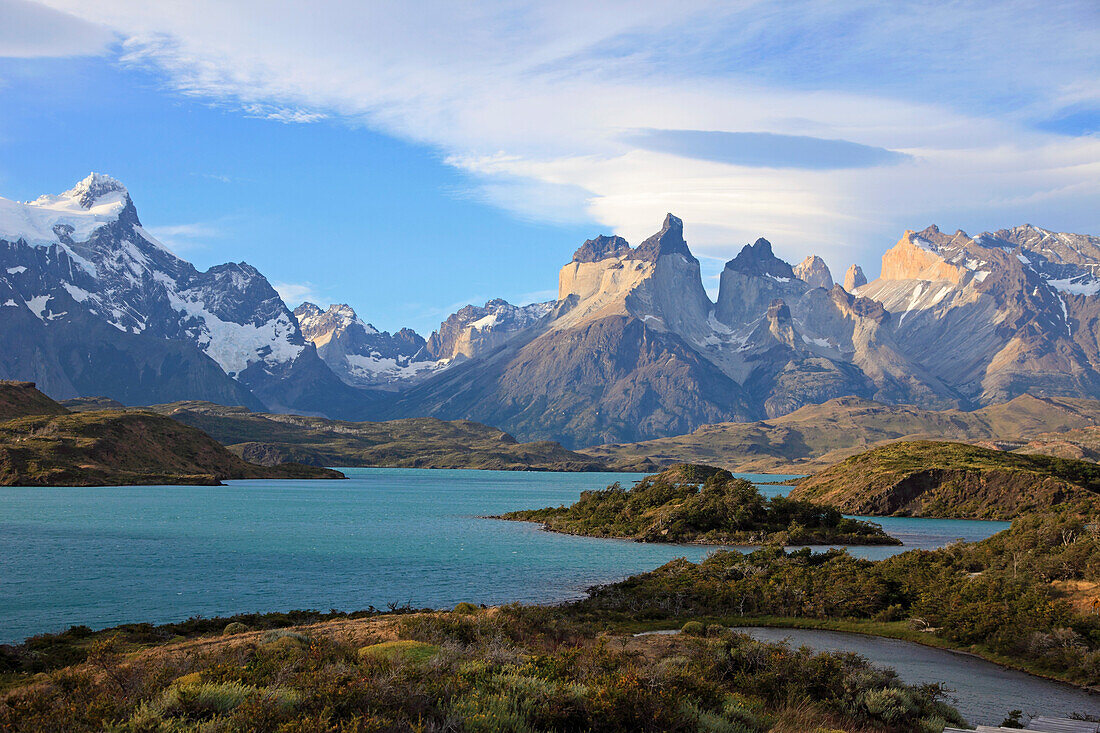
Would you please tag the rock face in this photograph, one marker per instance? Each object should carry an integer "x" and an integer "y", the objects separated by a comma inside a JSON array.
[
  {"x": 92, "y": 304},
  {"x": 854, "y": 278},
  {"x": 476, "y": 330},
  {"x": 814, "y": 272},
  {"x": 997, "y": 315},
  {"x": 360, "y": 354}
]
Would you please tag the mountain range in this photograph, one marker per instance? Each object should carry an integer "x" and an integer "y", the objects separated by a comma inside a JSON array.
[{"x": 631, "y": 349}]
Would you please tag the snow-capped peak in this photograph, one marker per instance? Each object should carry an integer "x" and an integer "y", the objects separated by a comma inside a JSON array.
[
  {"x": 76, "y": 214},
  {"x": 88, "y": 192}
]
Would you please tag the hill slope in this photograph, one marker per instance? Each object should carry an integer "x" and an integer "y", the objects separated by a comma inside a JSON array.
[
  {"x": 19, "y": 399},
  {"x": 817, "y": 436},
  {"x": 936, "y": 479},
  {"x": 112, "y": 447},
  {"x": 423, "y": 442}
]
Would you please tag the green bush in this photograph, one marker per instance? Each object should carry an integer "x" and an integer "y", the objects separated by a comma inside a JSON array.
[
  {"x": 466, "y": 609},
  {"x": 399, "y": 651},
  {"x": 235, "y": 627},
  {"x": 693, "y": 628}
]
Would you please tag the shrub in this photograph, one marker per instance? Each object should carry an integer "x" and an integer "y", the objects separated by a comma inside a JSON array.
[
  {"x": 273, "y": 636},
  {"x": 693, "y": 628},
  {"x": 466, "y": 609},
  {"x": 235, "y": 627},
  {"x": 414, "y": 652}
]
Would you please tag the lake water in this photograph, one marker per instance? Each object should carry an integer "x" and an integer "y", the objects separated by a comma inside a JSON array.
[
  {"x": 105, "y": 556},
  {"x": 984, "y": 692}
]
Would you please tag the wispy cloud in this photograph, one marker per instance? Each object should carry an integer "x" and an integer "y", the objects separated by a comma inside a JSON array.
[
  {"x": 182, "y": 238},
  {"x": 917, "y": 111},
  {"x": 294, "y": 294}
]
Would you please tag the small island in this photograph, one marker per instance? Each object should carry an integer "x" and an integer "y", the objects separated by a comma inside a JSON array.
[{"x": 698, "y": 504}]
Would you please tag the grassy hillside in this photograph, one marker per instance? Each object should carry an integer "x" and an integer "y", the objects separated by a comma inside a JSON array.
[
  {"x": 817, "y": 436},
  {"x": 112, "y": 447},
  {"x": 938, "y": 479},
  {"x": 84, "y": 404},
  {"x": 18, "y": 399},
  {"x": 410, "y": 443},
  {"x": 702, "y": 504}
]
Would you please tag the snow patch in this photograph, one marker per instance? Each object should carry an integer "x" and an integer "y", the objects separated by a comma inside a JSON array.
[
  {"x": 16, "y": 270},
  {"x": 78, "y": 294},
  {"x": 236, "y": 345},
  {"x": 1080, "y": 285},
  {"x": 485, "y": 322},
  {"x": 37, "y": 305},
  {"x": 10, "y": 302}
]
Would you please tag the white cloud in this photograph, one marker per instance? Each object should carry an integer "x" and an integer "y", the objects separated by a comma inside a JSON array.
[
  {"x": 182, "y": 238},
  {"x": 534, "y": 100},
  {"x": 294, "y": 294},
  {"x": 30, "y": 30}
]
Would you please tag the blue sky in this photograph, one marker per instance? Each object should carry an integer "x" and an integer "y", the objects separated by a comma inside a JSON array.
[{"x": 408, "y": 158}]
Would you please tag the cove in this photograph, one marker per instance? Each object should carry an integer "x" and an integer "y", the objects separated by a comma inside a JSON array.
[{"x": 106, "y": 556}]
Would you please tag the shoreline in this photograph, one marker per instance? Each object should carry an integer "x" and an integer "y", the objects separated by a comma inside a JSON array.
[
  {"x": 882, "y": 630},
  {"x": 694, "y": 543}
]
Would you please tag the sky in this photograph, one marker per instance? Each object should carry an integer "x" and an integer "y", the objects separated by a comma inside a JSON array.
[{"x": 408, "y": 158}]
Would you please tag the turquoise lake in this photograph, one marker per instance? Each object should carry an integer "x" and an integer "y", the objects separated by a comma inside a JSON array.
[{"x": 105, "y": 556}]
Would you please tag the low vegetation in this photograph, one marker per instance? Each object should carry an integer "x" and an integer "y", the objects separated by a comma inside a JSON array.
[
  {"x": 938, "y": 479},
  {"x": 690, "y": 503},
  {"x": 422, "y": 442},
  {"x": 510, "y": 669},
  {"x": 816, "y": 436},
  {"x": 53, "y": 447},
  {"x": 1027, "y": 596}
]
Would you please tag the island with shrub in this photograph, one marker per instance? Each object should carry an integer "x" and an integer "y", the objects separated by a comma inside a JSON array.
[{"x": 697, "y": 504}]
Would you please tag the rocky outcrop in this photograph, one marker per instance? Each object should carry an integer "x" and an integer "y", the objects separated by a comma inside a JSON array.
[
  {"x": 854, "y": 278},
  {"x": 360, "y": 354},
  {"x": 601, "y": 248},
  {"x": 916, "y": 257},
  {"x": 814, "y": 272},
  {"x": 476, "y": 330}
]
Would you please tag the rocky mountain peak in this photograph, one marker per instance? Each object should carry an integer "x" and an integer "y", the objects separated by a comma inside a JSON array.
[
  {"x": 917, "y": 256},
  {"x": 854, "y": 278},
  {"x": 307, "y": 310},
  {"x": 601, "y": 248},
  {"x": 814, "y": 272},
  {"x": 88, "y": 192},
  {"x": 758, "y": 259},
  {"x": 668, "y": 241}
]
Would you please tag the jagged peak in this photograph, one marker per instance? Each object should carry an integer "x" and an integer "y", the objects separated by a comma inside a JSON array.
[
  {"x": 758, "y": 259},
  {"x": 854, "y": 278},
  {"x": 308, "y": 309},
  {"x": 814, "y": 272},
  {"x": 670, "y": 240},
  {"x": 95, "y": 186},
  {"x": 601, "y": 248}
]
